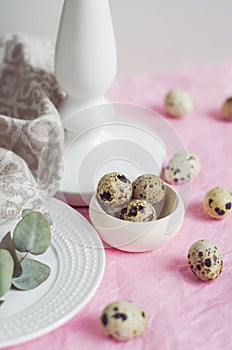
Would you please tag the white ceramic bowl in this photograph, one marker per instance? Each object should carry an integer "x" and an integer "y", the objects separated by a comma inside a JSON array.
[{"x": 139, "y": 236}]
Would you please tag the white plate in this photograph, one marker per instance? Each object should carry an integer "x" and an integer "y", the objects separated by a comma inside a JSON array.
[
  {"x": 124, "y": 143},
  {"x": 77, "y": 260}
]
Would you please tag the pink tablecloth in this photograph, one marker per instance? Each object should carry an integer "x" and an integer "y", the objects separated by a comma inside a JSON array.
[{"x": 184, "y": 313}]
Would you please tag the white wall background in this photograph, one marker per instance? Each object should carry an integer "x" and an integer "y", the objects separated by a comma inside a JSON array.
[{"x": 151, "y": 35}]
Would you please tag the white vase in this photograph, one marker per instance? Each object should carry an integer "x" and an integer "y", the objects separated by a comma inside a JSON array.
[
  {"x": 85, "y": 58},
  {"x": 99, "y": 137}
]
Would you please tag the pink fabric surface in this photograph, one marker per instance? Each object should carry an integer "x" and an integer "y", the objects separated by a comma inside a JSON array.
[{"x": 184, "y": 312}]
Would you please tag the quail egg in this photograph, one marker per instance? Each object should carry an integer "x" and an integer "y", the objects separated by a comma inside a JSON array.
[
  {"x": 138, "y": 210},
  {"x": 114, "y": 190},
  {"x": 178, "y": 103},
  {"x": 205, "y": 260},
  {"x": 123, "y": 320},
  {"x": 151, "y": 188},
  {"x": 218, "y": 202},
  {"x": 227, "y": 109},
  {"x": 182, "y": 167}
]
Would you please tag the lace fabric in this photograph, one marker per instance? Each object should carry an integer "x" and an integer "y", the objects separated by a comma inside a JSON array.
[
  {"x": 30, "y": 125},
  {"x": 18, "y": 188}
]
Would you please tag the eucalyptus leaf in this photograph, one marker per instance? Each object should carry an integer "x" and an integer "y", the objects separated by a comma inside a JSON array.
[
  {"x": 26, "y": 212},
  {"x": 32, "y": 234},
  {"x": 46, "y": 215},
  {"x": 8, "y": 244},
  {"x": 6, "y": 271},
  {"x": 34, "y": 273}
]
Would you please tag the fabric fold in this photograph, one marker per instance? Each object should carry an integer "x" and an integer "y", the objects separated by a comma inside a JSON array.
[
  {"x": 18, "y": 188},
  {"x": 30, "y": 124}
]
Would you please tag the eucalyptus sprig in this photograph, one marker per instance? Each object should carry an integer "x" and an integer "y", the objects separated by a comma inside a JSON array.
[{"x": 31, "y": 235}]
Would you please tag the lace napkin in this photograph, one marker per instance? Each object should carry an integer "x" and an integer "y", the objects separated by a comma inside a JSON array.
[
  {"x": 30, "y": 125},
  {"x": 18, "y": 188}
]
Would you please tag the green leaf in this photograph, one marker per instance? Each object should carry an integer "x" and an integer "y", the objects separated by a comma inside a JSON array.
[
  {"x": 26, "y": 212},
  {"x": 46, "y": 215},
  {"x": 8, "y": 244},
  {"x": 34, "y": 273},
  {"x": 6, "y": 271},
  {"x": 32, "y": 234}
]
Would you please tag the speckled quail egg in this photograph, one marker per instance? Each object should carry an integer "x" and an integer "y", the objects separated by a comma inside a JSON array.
[
  {"x": 205, "y": 260},
  {"x": 182, "y": 167},
  {"x": 218, "y": 202},
  {"x": 114, "y": 190},
  {"x": 123, "y": 320},
  {"x": 151, "y": 188},
  {"x": 138, "y": 210},
  {"x": 226, "y": 109},
  {"x": 178, "y": 103}
]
